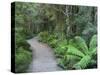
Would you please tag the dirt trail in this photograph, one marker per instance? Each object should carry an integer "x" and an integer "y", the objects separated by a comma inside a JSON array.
[{"x": 43, "y": 57}]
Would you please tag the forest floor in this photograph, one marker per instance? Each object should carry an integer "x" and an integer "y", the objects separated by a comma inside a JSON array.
[{"x": 43, "y": 57}]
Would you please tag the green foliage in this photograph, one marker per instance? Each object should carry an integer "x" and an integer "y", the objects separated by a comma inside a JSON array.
[
  {"x": 83, "y": 62},
  {"x": 56, "y": 25},
  {"x": 93, "y": 42},
  {"x": 53, "y": 43},
  {"x": 86, "y": 58},
  {"x": 74, "y": 51},
  {"x": 62, "y": 63},
  {"x": 52, "y": 40},
  {"x": 43, "y": 36},
  {"x": 22, "y": 59},
  {"x": 76, "y": 54},
  {"x": 23, "y": 55},
  {"x": 81, "y": 44},
  {"x": 21, "y": 40},
  {"x": 60, "y": 49}
]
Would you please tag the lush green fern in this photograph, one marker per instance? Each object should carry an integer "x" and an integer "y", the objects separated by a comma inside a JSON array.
[
  {"x": 83, "y": 63},
  {"x": 93, "y": 42},
  {"x": 81, "y": 50},
  {"x": 81, "y": 44},
  {"x": 74, "y": 51}
]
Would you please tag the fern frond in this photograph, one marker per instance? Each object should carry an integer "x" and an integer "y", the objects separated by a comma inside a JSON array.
[
  {"x": 73, "y": 57},
  {"x": 81, "y": 44},
  {"x": 74, "y": 51},
  {"x": 83, "y": 63},
  {"x": 94, "y": 51},
  {"x": 93, "y": 42}
]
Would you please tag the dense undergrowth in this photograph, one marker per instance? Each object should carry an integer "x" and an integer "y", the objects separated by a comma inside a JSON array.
[
  {"x": 23, "y": 54},
  {"x": 72, "y": 53}
]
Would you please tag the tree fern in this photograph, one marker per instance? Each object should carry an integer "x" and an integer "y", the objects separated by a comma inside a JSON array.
[{"x": 87, "y": 55}]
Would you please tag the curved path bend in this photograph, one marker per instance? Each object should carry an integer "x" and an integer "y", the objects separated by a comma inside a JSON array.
[{"x": 43, "y": 57}]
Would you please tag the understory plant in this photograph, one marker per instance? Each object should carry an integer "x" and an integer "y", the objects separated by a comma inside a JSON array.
[
  {"x": 23, "y": 54},
  {"x": 79, "y": 55},
  {"x": 21, "y": 57},
  {"x": 46, "y": 37},
  {"x": 43, "y": 36}
]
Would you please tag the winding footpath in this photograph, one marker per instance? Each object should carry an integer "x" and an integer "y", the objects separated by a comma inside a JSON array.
[{"x": 43, "y": 57}]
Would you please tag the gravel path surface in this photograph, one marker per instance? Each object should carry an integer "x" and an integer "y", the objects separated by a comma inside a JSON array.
[{"x": 43, "y": 57}]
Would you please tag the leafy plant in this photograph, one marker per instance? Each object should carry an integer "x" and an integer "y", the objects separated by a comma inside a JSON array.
[
  {"x": 53, "y": 43},
  {"x": 61, "y": 48},
  {"x": 23, "y": 54},
  {"x": 83, "y": 52},
  {"x": 43, "y": 36},
  {"x": 21, "y": 42},
  {"x": 52, "y": 40},
  {"x": 22, "y": 59}
]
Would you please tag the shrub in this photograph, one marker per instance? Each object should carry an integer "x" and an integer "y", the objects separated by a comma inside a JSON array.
[
  {"x": 21, "y": 42},
  {"x": 60, "y": 50},
  {"x": 22, "y": 59},
  {"x": 23, "y": 54},
  {"x": 43, "y": 36},
  {"x": 76, "y": 54}
]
